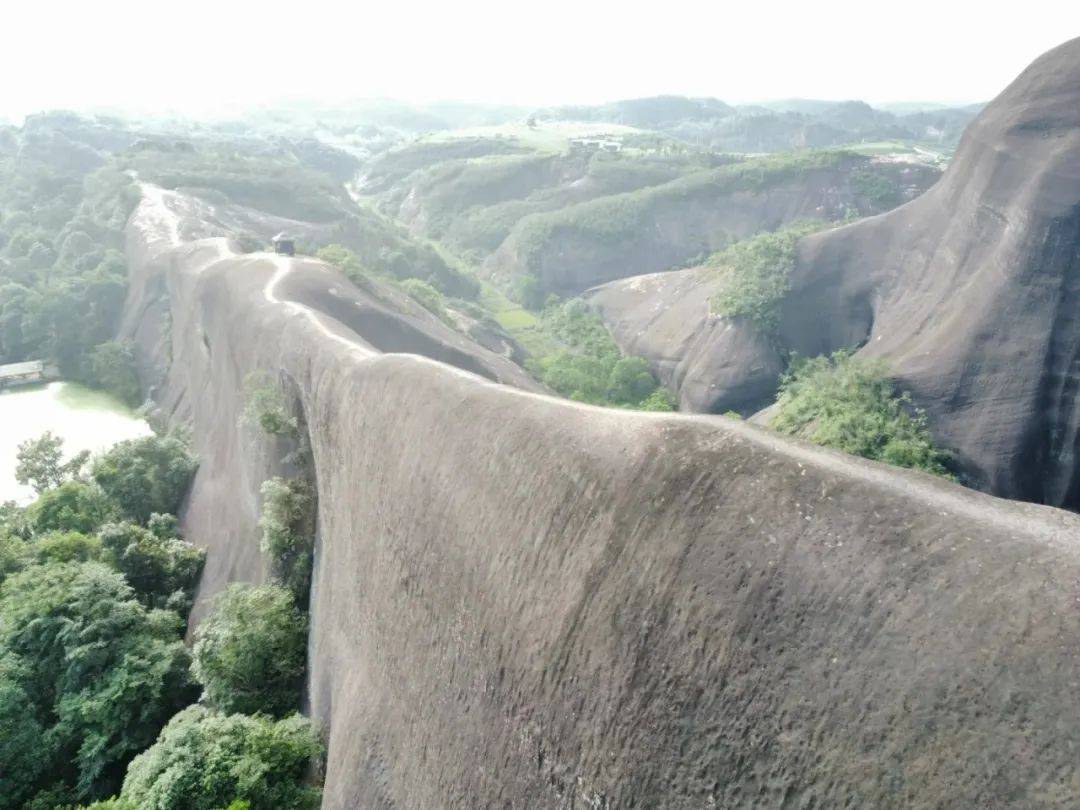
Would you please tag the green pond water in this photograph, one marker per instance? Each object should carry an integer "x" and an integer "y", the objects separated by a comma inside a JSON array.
[{"x": 84, "y": 418}]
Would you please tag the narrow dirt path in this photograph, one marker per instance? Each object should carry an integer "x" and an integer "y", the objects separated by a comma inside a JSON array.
[
  {"x": 155, "y": 213},
  {"x": 282, "y": 266}
]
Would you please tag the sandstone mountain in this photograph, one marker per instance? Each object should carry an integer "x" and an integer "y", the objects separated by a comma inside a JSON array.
[
  {"x": 970, "y": 292},
  {"x": 525, "y": 602}
]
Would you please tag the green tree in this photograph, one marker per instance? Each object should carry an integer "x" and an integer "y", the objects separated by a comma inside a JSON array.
[
  {"x": 265, "y": 405},
  {"x": 74, "y": 506},
  {"x": 40, "y": 463},
  {"x": 659, "y": 400},
  {"x": 249, "y": 654},
  {"x": 147, "y": 475},
  {"x": 630, "y": 381},
  {"x": 756, "y": 273},
  {"x": 850, "y": 403},
  {"x": 25, "y": 749},
  {"x": 15, "y": 554},
  {"x": 592, "y": 368},
  {"x": 14, "y": 520},
  {"x": 427, "y": 297},
  {"x": 66, "y": 547},
  {"x": 345, "y": 260},
  {"x": 288, "y": 532},
  {"x": 208, "y": 761},
  {"x": 529, "y": 292},
  {"x": 162, "y": 568},
  {"x": 578, "y": 376},
  {"x": 98, "y": 670},
  {"x": 111, "y": 365},
  {"x": 114, "y": 803}
]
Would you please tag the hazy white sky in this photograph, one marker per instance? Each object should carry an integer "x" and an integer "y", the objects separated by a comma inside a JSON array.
[{"x": 201, "y": 55}]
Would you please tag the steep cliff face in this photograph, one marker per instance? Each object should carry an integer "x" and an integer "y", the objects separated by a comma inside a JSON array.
[
  {"x": 970, "y": 292},
  {"x": 186, "y": 283},
  {"x": 525, "y": 602},
  {"x": 713, "y": 364}
]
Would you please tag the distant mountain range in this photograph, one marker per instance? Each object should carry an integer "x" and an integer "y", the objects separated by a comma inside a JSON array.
[{"x": 777, "y": 126}]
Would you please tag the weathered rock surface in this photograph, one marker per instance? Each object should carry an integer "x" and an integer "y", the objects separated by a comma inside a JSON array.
[
  {"x": 524, "y": 602},
  {"x": 971, "y": 292},
  {"x": 712, "y": 363}
]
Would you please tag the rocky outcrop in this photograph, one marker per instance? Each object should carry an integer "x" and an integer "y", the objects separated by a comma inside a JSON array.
[
  {"x": 525, "y": 602},
  {"x": 713, "y": 364},
  {"x": 970, "y": 292}
]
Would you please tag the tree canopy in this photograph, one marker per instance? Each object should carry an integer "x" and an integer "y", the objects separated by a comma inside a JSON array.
[
  {"x": 250, "y": 653},
  {"x": 89, "y": 673},
  {"x": 145, "y": 476}
]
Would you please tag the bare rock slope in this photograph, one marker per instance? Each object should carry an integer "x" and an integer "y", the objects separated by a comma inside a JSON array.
[
  {"x": 525, "y": 602},
  {"x": 971, "y": 292}
]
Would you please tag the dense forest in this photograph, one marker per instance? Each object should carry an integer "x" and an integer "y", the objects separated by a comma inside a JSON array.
[
  {"x": 100, "y": 698},
  {"x": 63, "y": 276}
]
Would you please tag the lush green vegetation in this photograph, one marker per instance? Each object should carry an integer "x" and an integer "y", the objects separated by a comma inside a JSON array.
[
  {"x": 90, "y": 675},
  {"x": 288, "y": 532},
  {"x": 287, "y": 522},
  {"x": 388, "y": 250},
  {"x": 525, "y": 326},
  {"x": 144, "y": 476},
  {"x": 530, "y": 292},
  {"x": 74, "y": 506},
  {"x": 95, "y": 586},
  {"x": 111, "y": 366},
  {"x": 159, "y": 565},
  {"x": 592, "y": 368},
  {"x": 92, "y": 661},
  {"x": 265, "y": 406},
  {"x": 250, "y": 653},
  {"x": 620, "y": 217},
  {"x": 450, "y": 187},
  {"x": 756, "y": 275},
  {"x": 274, "y": 182},
  {"x": 396, "y": 164},
  {"x": 429, "y": 294},
  {"x": 63, "y": 278},
  {"x": 427, "y": 297},
  {"x": 208, "y": 761},
  {"x": 849, "y": 403},
  {"x": 39, "y": 463},
  {"x": 473, "y": 204},
  {"x": 879, "y": 191}
]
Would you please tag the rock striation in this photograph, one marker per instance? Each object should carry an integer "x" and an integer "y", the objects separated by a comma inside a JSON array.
[{"x": 524, "y": 602}]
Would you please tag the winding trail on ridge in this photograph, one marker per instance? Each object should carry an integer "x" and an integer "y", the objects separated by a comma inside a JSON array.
[
  {"x": 524, "y": 601},
  {"x": 945, "y": 498},
  {"x": 282, "y": 267}
]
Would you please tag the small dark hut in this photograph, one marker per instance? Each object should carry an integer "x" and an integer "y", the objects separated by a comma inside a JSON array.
[{"x": 284, "y": 244}]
